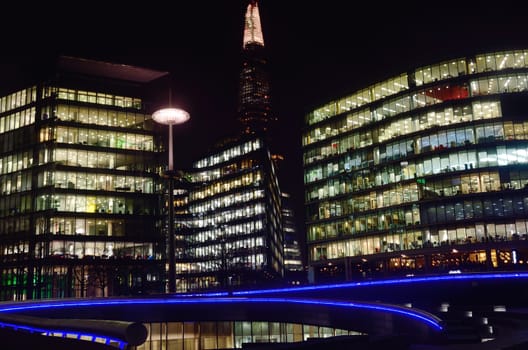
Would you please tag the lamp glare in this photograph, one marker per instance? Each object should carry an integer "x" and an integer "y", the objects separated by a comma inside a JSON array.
[{"x": 170, "y": 116}]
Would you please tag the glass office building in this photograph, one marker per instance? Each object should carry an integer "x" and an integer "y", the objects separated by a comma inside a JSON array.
[
  {"x": 230, "y": 220},
  {"x": 425, "y": 171},
  {"x": 79, "y": 211}
]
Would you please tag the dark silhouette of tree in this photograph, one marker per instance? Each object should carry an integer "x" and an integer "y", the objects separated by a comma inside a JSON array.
[
  {"x": 79, "y": 273},
  {"x": 98, "y": 277}
]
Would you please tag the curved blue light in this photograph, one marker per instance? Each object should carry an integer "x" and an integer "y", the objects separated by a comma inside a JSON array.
[
  {"x": 408, "y": 280},
  {"x": 237, "y": 296},
  {"x": 64, "y": 333},
  {"x": 421, "y": 316}
]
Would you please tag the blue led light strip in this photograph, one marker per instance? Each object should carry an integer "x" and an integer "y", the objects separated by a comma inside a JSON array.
[
  {"x": 421, "y": 316},
  {"x": 63, "y": 333},
  {"x": 237, "y": 296},
  {"x": 408, "y": 280}
]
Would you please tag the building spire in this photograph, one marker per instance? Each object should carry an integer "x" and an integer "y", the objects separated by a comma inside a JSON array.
[
  {"x": 255, "y": 100},
  {"x": 252, "y": 27}
]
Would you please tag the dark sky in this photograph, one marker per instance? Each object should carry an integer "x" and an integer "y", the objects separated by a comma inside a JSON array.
[{"x": 317, "y": 50}]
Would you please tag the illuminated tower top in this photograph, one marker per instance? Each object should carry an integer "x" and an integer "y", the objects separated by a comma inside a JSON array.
[{"x": 252, "y": 27}]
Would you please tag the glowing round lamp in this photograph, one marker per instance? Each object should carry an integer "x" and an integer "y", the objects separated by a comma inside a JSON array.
[{"x": 170, "y": 117}]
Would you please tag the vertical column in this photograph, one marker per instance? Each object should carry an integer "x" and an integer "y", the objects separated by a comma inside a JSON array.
[{"x": 172, "y": 262}]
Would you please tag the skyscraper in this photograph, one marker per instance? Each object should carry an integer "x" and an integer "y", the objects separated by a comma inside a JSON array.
[
  {"x": 255, "y": 99},
  {"x": 233, "y": 234}
]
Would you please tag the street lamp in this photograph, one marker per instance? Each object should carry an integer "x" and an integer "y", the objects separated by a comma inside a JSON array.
[{"x": 170, "y": 117}]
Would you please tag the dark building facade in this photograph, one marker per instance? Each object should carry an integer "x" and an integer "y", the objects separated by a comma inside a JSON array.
[
  {"x": 423, "y": 172},
  {"x": 79, "y": 211},
  {"x": 293, "y": 264}
]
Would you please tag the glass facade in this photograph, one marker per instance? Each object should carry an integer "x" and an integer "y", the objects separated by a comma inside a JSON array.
[
  {"x": 231, "y": 334},
  {"x": 79, "y": 211},
  {"x": 434, "y": 157},
  {"x": 231, "y": 225}
]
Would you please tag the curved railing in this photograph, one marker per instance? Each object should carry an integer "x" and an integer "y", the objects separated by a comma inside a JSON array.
[{"x": 110, "y": 332}]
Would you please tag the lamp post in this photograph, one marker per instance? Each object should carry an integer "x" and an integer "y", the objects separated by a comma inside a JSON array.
[{"x": 170, "y": 117}]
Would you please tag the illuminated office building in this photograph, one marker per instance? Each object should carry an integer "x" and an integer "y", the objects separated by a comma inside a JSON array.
[
  {"x": 425, "y": 171},
  {"x": 231, "y": 229},
  {"x": 80, "y": 196},
  {"x": 229, "y": 214}
]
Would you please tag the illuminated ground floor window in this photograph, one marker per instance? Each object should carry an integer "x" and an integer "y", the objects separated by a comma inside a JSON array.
[
  {"x": 230, "y": 334},
  {"x": 498, "y": 255}
]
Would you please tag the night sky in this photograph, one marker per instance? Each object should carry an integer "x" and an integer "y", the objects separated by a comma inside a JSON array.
[{"x": 317, "y": 50}]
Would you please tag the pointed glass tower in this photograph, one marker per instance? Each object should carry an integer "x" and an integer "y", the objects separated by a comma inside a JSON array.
[{"x": 254, "y": 104}]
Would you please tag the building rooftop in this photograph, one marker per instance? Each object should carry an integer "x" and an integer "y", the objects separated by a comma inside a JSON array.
[{"x": 108, "y": 70}]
